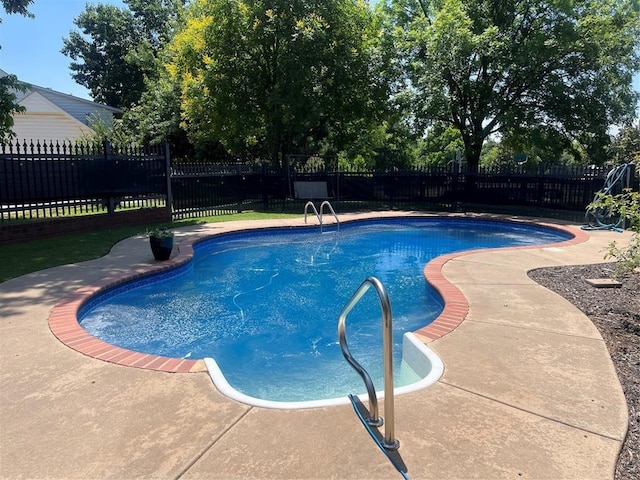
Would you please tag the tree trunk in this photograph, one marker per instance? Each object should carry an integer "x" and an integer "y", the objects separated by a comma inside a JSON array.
[
  {"x": 472, "y": 150},
  {"x": 275, "y": 150}
]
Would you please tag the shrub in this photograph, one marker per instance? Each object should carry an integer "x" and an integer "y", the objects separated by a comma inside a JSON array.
[
  {"x": 626, "y": 205},
  {"x": 160, "y": 232}
]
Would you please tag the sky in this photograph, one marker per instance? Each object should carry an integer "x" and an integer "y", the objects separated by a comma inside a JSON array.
[{"x": 31, "y": 46}]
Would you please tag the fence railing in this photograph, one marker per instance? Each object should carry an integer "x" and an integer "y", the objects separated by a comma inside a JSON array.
[
  {"x": 45, "y": 180},
  {"x": 569, "y": 188}
]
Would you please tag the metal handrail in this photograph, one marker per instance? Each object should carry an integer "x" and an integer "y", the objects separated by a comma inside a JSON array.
[
  {"x": 387, "y": 345},
  {"x": 318, "y": 216},
  {"x": 326, "y": 202}
]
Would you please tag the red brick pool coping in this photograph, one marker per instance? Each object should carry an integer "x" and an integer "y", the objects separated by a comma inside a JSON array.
[{"x": 63, "y": 318}]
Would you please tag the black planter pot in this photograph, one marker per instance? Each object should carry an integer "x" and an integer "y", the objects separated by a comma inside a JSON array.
[{"x": 161, "y": 247}]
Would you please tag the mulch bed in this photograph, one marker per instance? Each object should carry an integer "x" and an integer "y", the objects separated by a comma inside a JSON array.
[{"x": 616, "y": 313}]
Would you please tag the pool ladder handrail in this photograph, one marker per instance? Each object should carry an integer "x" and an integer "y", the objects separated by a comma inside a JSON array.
[
  {"x": 328, "y": 204},
  {"x": 306, "y": 208},
  {"x": 374, "y": 419},
  {"x": 319, "y": 215}
]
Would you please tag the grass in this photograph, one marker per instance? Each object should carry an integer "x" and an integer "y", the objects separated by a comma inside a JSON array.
[
  {"x": 23, "y": 258},
  {"x": 27, "y": 257}
]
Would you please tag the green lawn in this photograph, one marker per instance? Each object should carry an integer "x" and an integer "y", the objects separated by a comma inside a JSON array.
[{"x": 22, "y": 258}]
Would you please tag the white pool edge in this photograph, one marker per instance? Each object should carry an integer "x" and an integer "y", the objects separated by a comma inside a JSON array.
[{"x": 415, "y": 353}]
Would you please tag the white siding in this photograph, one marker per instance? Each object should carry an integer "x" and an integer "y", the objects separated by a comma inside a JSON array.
[
  {"x": 55, "y": 116},
  {"x": 44, "y": 121},
  {"x": 47, "y": 127}
]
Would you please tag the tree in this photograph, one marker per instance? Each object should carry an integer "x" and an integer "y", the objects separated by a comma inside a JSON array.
[
  {"x": 626, "y": 145},
  {"x": 155, "y": 118},
  {"x": 545, "y": 144},
  {"x": 8, "y": 105},
  {"x": 9, "y": 83},
  {"x": 275, "y": 76},
  {"x": 117, "y": 48},
  {"x": 17, "y": 6},
  {"x": 486, "y": 66},
  {"x": 440, "y": 146}
]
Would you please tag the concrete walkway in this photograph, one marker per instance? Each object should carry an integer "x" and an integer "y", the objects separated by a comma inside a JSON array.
[{"x": 529, "y": 391}]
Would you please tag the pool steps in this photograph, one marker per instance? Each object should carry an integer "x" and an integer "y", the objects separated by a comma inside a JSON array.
[{"x": 416, "y": 355}]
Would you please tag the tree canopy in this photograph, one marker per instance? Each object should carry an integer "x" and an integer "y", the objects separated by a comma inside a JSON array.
[
  {"x": 379, "y": 85},
  {"x": 17, "y": 6},
  {"x": 626, "y": 144},
  {"x": 274, "y": 76},
  {"x": 512, "y": 66},
  {"x": 116, "y": 48}
]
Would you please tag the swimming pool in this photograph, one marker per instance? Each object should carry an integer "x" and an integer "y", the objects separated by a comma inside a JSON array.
[{"x": 265, "y": 303}]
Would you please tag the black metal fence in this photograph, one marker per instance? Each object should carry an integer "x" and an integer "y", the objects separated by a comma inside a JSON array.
[
  {"x": 211, "y": 190},
  {"x": 216, "y": 189},
  {"x": 45, "y": 180}
]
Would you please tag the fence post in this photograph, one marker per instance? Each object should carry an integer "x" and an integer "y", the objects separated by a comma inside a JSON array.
[
  {"x": 240, "y": 190},
  {"x": 167, "y": 160},
  {"x": 110, "y": 201},
  {"x": 287, "y": 166}
]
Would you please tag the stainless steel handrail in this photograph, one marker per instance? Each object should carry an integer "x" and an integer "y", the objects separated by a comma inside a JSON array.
[
  {"x": 318, "y": 216},
  {"x": 387, "y": 345},
  {"x": 326, "y": 202}
]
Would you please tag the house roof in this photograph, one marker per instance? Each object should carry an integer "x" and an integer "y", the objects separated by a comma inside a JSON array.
[{"x": 78, "y": 108}]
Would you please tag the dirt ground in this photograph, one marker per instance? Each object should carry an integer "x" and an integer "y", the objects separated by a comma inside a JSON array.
[{"x": 616, "y": 313}]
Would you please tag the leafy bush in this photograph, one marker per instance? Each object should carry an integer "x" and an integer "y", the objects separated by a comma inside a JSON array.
[
  {"x": 160, "y": 232},
  {"x": 626, "y": 205}
]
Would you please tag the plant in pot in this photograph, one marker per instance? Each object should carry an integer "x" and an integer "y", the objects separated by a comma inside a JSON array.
[{"x": 161, "y": 242}]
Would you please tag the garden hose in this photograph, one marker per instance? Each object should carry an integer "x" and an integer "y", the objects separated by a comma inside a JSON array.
[{"x": 600, "y": 218}]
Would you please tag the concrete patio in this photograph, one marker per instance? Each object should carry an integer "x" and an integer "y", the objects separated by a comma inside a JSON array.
[{"x": 529, "y": 391}]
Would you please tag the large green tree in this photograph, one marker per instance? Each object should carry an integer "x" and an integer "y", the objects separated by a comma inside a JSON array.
[
  {"x": 155, "y": 118},
  {"x": 275, "y": 76},
  {"x": 509, "y": 66},
  {"x": 116, "y": 49},
  {"x": 9, "y": 83}
]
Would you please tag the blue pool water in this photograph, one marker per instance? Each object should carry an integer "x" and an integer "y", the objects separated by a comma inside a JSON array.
[{"x": 264, "y": 304}]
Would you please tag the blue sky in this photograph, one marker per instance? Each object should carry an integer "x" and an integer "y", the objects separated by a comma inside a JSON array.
[{"x": 31, "y": 47}]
